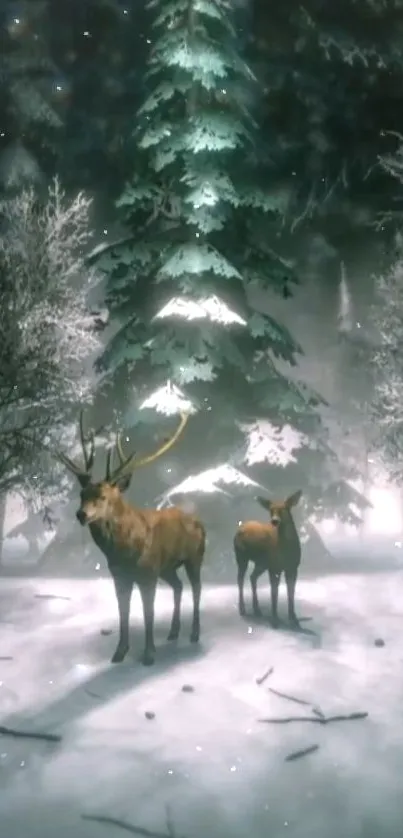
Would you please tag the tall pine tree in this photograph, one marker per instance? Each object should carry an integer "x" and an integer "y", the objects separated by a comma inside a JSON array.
[{"x": 179, "y": 283}]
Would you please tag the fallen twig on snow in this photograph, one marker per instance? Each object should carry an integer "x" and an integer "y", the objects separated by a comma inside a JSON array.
[
  {"x": 290, "y": 697},
  {"x": 29, "y": 734},
  {"x": 264, "y": 677},
  {"x": 320, "y": 720},
  {"x": 6, "y": 658},
  {"x": 128, "y": 827},
  {"x": 316, "y": 710},
  {"x": 303, "y": 753},
  {"x": 52, "y": 596},
  {"x": 93, "y": 695}
]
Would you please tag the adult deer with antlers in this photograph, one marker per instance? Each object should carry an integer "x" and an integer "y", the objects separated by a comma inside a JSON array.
[
  {"x": 140, "y": 545},
  {"x": 273, "y": 546}
]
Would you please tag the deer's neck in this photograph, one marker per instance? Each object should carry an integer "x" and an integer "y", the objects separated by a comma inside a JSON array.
[
  {"x": 288, "y": 530},
  {"x": 121, "y": 530}
]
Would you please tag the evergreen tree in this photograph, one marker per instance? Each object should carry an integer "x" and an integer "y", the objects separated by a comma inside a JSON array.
[
  {"x": 332, "y": 76},
  {"x": 179, "y": 284},
  {"x": 31, "y": 99},
  {"x": 100, "y": 47}
]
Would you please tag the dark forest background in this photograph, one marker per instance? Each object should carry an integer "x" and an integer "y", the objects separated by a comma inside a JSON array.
[{"x": 319, "y": 254}]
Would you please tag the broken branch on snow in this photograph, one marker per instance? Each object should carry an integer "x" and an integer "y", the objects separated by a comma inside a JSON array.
[
  {"x": 302, "y": 753},
  {"x": 132, "y": 828},
  {"x": 264, "y": 677},
  {"x": 316, "y": 710},
  {"x": 320, "y": 720},
  {"x": 52, "y": 596},
  {"x": 290, "y": 697},
  {"x": 29, "y": 734}
]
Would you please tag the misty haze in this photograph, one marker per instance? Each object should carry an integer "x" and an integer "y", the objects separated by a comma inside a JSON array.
[{"x": 201, "y": 395}]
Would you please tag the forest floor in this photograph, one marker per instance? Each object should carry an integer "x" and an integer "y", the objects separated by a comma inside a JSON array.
[{"x": 202, "y": 763}]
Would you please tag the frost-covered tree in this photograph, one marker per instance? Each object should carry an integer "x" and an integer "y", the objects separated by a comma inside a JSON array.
[
  {"x": 178, "y": 284},
  {"x": 30, "y": 96},
  {"x": 384, "y": 350},
  {"x": 47, "y": 339},
  {"x": 387, "y": 364}
]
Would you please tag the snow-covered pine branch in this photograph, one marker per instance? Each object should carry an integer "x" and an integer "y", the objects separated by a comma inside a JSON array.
[{"x": 47, "y": 339}]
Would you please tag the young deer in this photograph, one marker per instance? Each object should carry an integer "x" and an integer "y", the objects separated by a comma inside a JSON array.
[
  {"x": 272, "y": 546},
  {"x": 140, "y": 545}
]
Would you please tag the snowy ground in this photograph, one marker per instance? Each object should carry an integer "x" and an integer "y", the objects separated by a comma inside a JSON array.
[{"x": 204, "y": 755}]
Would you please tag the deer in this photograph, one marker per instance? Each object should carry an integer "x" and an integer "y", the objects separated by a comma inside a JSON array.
[
  {"x": 273, "y": 546},
  {"x": 140, "y": 545}
]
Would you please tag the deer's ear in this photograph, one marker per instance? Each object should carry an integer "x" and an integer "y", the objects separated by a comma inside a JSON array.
[
  {"x": 293, "y": 499},
  {"x": 264, "y": 502},
  {"x": 124, "y": 482}
]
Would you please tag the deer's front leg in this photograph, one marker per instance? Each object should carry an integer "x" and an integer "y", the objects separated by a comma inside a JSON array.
[
  {"x": 147, "y": 592},
  {"x": 291, "y": 581},
  {"x": 123, "y": 589}
]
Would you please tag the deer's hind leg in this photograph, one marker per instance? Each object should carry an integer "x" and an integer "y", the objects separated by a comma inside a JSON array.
[
  {"x": 193, "y": 572},
  {"x": 242, "y": 564},
  {"x": 257, "y": 571},
  {"x": 171, "y": 578}
]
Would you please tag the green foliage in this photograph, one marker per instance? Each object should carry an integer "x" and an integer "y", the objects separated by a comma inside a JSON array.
[
  {"x": 178, "y": 288},
  {"x": 30, "y": 111},
  {"x": 324, "y": 69}
]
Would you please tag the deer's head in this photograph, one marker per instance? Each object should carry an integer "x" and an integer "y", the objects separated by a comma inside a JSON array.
[
  {"x": 280, "y": 511},
  {"x": 98, "y": 498}
]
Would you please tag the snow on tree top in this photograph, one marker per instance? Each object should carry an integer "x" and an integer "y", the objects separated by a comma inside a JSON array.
[{"x": 208, "y": 482}]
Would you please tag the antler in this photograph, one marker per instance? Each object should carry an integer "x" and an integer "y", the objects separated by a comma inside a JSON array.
[
  {"x": 129, "y": 464},
  {"x": 109, "y": 455},
  {"x": 76, "y": 469}
]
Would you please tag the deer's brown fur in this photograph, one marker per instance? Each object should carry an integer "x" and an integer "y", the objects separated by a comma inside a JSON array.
[
  {"x": 140, "y": 545},
  {"x": 274, "y": 547},
  {"x": 154, "y": 539}
]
